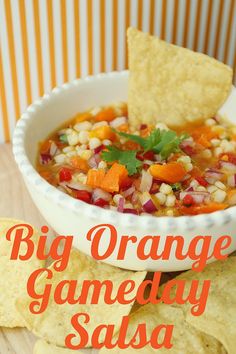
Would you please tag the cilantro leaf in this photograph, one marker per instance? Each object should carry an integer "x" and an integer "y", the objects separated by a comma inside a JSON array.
[
  {"x": 163, "y": 142},
  {"x": 170, "y": 143},
  {"x": 63, "y": 138},
  {"x": 126, "y": 158}
]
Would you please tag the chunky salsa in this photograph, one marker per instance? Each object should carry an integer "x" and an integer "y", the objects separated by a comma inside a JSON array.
[{"x": 99, "y": 159}]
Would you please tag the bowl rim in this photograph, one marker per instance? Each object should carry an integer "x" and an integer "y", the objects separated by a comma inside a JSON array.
[{"x": 186, "y": 222}]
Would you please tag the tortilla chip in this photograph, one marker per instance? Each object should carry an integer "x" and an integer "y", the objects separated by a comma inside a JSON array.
[
  {"x": 171, "y": 84},
  {"x": 42, "y": 347},
  {"x": 13, "y": 276},
  {"x": 219, "y": 317},
  {"x": 54, "y": 324},
  {"x": 185, "y": 339}
]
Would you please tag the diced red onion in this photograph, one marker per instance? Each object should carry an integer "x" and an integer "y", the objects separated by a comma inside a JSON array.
[
  {"x": 77, "y": 186},
  {"x": 118, "y": 121},
  {"x": 97, "y": 158},
  {"x": 129, "y": 191},
  {"x": 198, "y": 197},
  {"x": 232, "y": 181},
  {"x": 228, "y": 166},
  {"x": 100, "y": 194},
  {"x": 189, "y": 189},
  {"x": 45, "y": 159},
  {"x": 149, "y": 206},
  {"x": 121, "y": 204},
  {"x": 212, "y": 175},
  {"x": 187, "y": 142},
  {"x": 187, "y": 146},
  {"x": 130, "y": 211},
  {"x": 92, "y": 162},
  {"x": 146, "y": 182}
]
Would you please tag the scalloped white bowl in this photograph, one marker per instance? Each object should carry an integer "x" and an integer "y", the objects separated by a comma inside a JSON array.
[{"x": 73, "y": 217}]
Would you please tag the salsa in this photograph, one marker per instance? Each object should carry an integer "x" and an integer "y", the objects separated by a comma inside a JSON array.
[{"x": 96, "y": 157}]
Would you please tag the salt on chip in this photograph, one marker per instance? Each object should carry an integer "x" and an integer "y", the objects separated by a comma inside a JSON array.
[
  {"x": 42, "y": 347},
  {"x": 54, "y": 324},
  {"x": 185, "y": 339},
  {"x": 14, "y": 275},
  {"x": 171, "y": 84},
  {"x": 219, "y": 317}
]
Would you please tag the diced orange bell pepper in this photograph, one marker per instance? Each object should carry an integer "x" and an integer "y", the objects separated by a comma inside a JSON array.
[
  {"x": 81, "y": 117},
  {"x": 202, "y": 140},
  {"x": 107, "y": 114},
  {"x": 95, "y": 178},
  {"x": 203, "y": 135},
  {"x": 123, "y": 128},
  {"x": 203, "y": 209},
  {"x": 171, "y": 172},
  {"x": 114, "y": 178},
  {"x": 102, "y": 133},
  {"x": 131, "y": 145},
  {"x": 196, "y": 172},
  {"x": 79, "y": 163}
]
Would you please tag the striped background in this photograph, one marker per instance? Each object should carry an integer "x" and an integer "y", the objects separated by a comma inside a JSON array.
[{"x": 44, "y": 43}]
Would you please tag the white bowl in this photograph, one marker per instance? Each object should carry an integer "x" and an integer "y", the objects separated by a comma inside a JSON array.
[{"x": 69, "y": 216}]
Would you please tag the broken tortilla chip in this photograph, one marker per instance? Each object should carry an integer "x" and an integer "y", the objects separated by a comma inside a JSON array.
[
  {"x": 42, "y": 347},
  {"x": 185, "y": 338},
  {"x": 54, "y": 324},
  {"x": 14, "y": 275},
  {"x": 219, "y": 317},
  {"x": 171, "y": 84}
]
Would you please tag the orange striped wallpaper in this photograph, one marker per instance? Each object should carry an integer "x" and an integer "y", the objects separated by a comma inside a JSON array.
[{"x": 44, "y": 43}]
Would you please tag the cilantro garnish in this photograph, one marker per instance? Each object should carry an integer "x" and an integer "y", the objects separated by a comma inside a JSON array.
[
  {"x": 163, "y": 142},
  {"x": 176, "y": 187},
  {"x": 63, "y": 138},
  {"x": 126, "y": 158}
]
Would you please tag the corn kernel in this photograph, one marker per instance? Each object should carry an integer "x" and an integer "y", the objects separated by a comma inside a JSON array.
[
  {"x": 94, "y": 143},
  {"x": 219, "y": 196},
  {"x": 220, "y": 185},
  {"x": 165, "y": 188},
  {"x": 61, "y": 158},
  {"x": 161, "y": 197},
  {"x": 83, "y": 126},
  {"x": 170, "y": 200},
  {"x": 86, "y": 154},
  {"x": 83, "y": 137}
]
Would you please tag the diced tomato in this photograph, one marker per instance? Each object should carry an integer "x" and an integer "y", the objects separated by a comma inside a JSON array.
[
  {"x": 154, "y": 188},
  {"x": 149, "y": 155},
  {"x": 126, "y": 183},
  {"x": 101, "y": 202},
  {"x": 143, "y": 126},
  {"x": 188, "y": 200},
  {"x": 230, "y": 157},
  {"x": 65, "y": 174},
  {"x": 202, "y": 181},
  {"x": 140, "y": 156},
  {"x": 85, "y": 196},
  {"x": 99, "y": 149}
]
